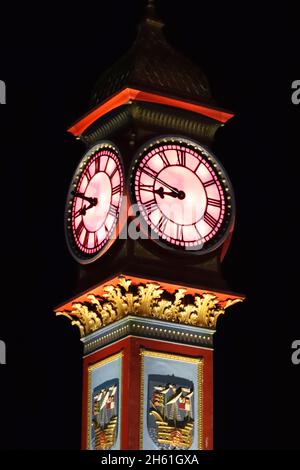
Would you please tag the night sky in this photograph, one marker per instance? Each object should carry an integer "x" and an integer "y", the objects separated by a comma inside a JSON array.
[{"x": 50, "y": 61}]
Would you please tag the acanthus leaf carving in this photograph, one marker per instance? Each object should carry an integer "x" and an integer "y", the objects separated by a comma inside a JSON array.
[{"x": 146, "y": 300}]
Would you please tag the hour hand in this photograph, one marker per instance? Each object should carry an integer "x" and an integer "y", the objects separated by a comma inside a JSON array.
[
  {"x": 162, "y": 193},
  {"x": 92, "y": 200}
]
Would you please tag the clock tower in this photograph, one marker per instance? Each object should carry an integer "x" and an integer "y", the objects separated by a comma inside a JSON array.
[{"x": 149, "y": 216}]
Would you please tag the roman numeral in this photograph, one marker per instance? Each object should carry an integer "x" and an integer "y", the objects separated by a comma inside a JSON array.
[
  {"x": 113, "y": 172},
  {"x": 164, "y": 158},
  {"x": 179, "y": 233},
  {"x": 195, "y": 170},
  {"x": 147, "y": 187},
  {"x": 210, "y": 220},
  {"x": 79, "y": 229},
  {"x": 106, "y": 163},
  {"x": 181, "y": 157},
  {"x": 86, "y": 238},
  {"x": 197, "y": 231},
  {"x": 77, "y": 213},
  {"x": 150, "y": 206},
  {"x": 88, "y": 174},
  {"x": 209, "y": 183},
  {"x": 116, "y": 189},
  {"x": 162, "y": 223},
  {"x": 113, "y": 210},
  {"x": 97, "y": 165},
  {"x": 213, "y": 202},
  {"x": 96, "y": 241},
  {"x": 149, "y": 172}
]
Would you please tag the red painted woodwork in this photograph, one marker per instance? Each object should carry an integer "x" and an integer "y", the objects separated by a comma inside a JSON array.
[
  {"x": 131, "y": 380},
  {"x": 129, "y": 94}
]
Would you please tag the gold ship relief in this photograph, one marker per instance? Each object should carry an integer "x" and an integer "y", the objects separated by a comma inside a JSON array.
[
  {"x": 105, "y": 438},
  {"x": 105, "y": 420},
  {"x": 172, "y": 409}
]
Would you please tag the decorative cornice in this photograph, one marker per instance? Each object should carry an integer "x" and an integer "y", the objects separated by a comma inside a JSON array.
[
  {"x": 148, "y": 328},
  {"x": 151, "y": 115},
  {"x": 127, "y": 95},
  {"x": 147, "y": 300}
]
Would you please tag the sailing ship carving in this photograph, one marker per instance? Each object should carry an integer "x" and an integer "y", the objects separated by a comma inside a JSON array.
[
  {"x": 105, "y": 419},
  {"x": 172, "y": 407}
]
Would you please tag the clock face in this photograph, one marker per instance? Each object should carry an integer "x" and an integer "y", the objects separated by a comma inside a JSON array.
[
  {"x": 94, "y": 202},
  {"x": 183, "y": 194}
]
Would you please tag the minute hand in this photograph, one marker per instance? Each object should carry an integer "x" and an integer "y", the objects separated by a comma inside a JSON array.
[{"x": 175, "y": 190}]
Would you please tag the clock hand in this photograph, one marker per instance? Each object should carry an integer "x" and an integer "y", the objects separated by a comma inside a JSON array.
[
  {"x": 83, "y": 209},
  {"x": 92, "y": 200},
  {"x": 175, "y": 190},
  {"x": 162, "y": 194},
  {"x": 159, "y": 180}
]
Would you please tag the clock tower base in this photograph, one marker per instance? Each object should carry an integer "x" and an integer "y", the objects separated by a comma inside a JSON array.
[{"x": 148, "y": 363}]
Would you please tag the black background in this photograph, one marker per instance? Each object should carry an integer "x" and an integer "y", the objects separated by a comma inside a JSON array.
[{"x": 50, "y": 60}]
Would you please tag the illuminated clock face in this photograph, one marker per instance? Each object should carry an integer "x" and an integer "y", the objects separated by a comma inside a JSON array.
[
  {"x": 183, "y": 194},
  {"x": 94, "y": 202}
]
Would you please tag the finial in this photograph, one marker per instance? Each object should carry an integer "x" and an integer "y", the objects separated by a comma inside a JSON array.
[
  {"x": 150, "y": 15},
  {"x": 150, "y": 10}
]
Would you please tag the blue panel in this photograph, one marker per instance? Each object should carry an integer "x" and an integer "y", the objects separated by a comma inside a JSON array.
[
  {"x": 105, "y": 404},
  {"x": 171, "y": 403}
]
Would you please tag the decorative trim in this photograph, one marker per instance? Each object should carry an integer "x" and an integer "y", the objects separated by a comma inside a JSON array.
[
  {"x": 148, "y": 300},
  {"x": 131, "y": 94},
  {"x": 148, "y": 328},
  {"x": 200, "y": 404},
  {"x": 90, "y": 369},
  {"x": 177, "y": 357},
  {"x": 150, "y": 115},
  {"x": 142, "y": 398}
]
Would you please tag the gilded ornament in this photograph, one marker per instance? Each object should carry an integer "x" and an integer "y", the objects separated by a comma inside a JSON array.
[{"x": 148, "y": 300}]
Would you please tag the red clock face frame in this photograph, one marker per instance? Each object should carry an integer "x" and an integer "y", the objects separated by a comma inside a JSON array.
[
  {"x": 183, "y": 195},
  {"x": 94, "y": 203}
]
